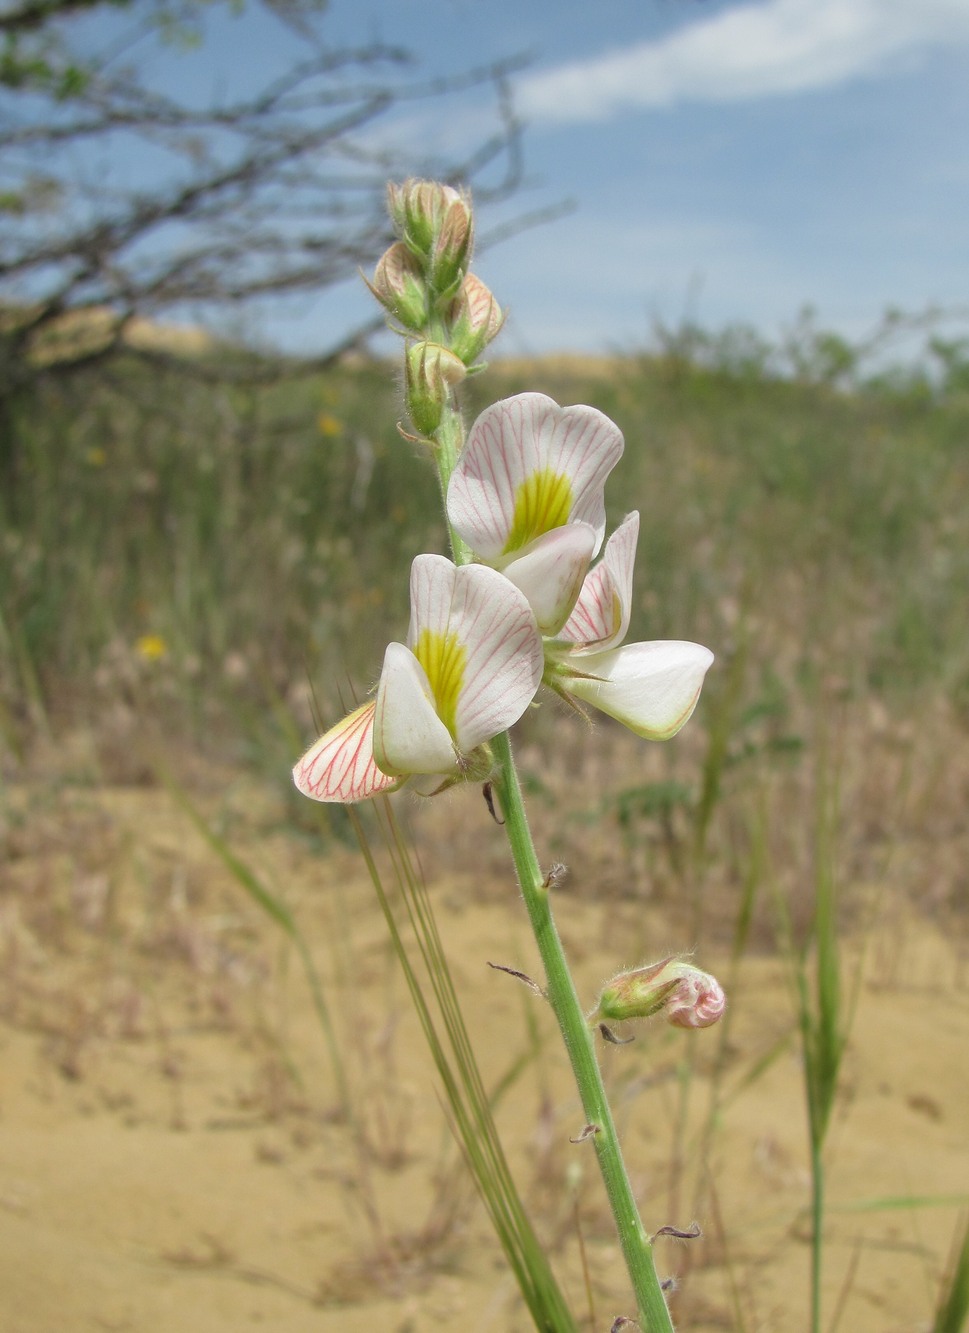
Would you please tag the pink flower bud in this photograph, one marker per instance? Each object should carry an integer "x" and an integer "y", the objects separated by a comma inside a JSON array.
[
  {"x": 688, "y": 997},
  {"x": 697, "y": 1002}
]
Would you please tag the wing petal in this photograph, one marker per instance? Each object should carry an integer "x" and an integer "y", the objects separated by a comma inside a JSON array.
[
  {"x": 340, "y": 766},
  {"x": 651, "y": 688}
]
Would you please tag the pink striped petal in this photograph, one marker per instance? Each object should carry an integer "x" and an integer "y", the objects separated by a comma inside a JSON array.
[
  {"x": 601, "y": 615},
  {"x": 341, "y": 766},
  {"x": 550, "y": 571},
  {"x": 651, "y": 688},
  {"x": 408, "y": 735},
  {"x": 513, "y": 440}
]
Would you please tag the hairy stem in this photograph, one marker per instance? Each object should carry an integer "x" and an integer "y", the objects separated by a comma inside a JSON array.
[{"x": 560, "y": 989}]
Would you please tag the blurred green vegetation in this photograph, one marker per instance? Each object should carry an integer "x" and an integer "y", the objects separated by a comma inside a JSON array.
[
  {"x": 223, "y": 564},
  {"x": 207, "y": 552}
]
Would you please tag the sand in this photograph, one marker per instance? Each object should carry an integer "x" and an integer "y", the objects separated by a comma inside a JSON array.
[{"x": 173, "y": 1154}]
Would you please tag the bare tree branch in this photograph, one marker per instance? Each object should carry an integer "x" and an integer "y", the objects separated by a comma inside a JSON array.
[{"x": 276, "y": 188}]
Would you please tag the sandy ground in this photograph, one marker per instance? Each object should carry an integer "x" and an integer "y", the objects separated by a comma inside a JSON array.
[{"x": 173, "y": 1156}]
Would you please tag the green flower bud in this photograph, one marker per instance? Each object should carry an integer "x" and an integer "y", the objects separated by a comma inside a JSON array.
[
  {"x": 430, "y": 371},
  {"x": 436, "y": 224},
  {"x": 451, "y": 251},
  {"x": 476, "y": 319},
  {"x": 399, "y": 287},
  {"x": 688, "y": 997}
]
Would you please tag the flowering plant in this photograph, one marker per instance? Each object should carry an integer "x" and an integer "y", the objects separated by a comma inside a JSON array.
[{"x": 520, "y": 606}]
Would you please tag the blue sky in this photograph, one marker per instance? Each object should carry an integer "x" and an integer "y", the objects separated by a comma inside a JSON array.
[
  {"x": 731, "y": 162},
  {"x": 728, "y": 160}
]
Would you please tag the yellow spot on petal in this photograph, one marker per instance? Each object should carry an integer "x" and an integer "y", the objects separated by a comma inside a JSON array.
[
  {"x": 542, "y": 502},
  {"x": 151, "y": 647},
  {"x": 443, "y": 657}
]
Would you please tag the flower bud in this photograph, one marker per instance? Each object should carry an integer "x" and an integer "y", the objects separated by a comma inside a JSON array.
[
  {"x": 451, "y": 251},
  {"x": 697, "y": 1002},
  {"x": 688, "y": 997},
  {"x": 430, "y": 371},
  {"x": 476, "y": 319},
  {"x": 436, "y": 224},
  {"x": 399, "y": 286}
]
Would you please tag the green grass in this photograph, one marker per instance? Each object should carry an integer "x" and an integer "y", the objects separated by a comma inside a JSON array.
[
  {"x": 261, "y": 533},
  {"x": 224, "y": 566}
]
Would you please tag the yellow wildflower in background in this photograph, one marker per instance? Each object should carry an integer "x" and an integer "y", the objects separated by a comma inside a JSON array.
[
  {"x": 151, "y": 647},
  {"x": 328, "y": 425}
]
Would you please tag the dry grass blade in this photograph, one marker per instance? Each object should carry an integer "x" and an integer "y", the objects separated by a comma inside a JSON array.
[
  {"x": 278, "y": 912},
  {"x": 469, "y": 1107}
]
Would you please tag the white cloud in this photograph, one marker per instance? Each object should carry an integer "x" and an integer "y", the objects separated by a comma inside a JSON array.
[{"x": 751, "y": 50}]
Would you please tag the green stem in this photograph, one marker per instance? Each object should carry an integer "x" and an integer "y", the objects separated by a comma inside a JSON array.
[
  {"x": 449, "y": 441},
  {"x": 637, "y": 1250}
]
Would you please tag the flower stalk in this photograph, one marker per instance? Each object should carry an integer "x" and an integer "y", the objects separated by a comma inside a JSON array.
[
  {"x": 653, "y": 1313},
  {"x": 450, "y": 441}
]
